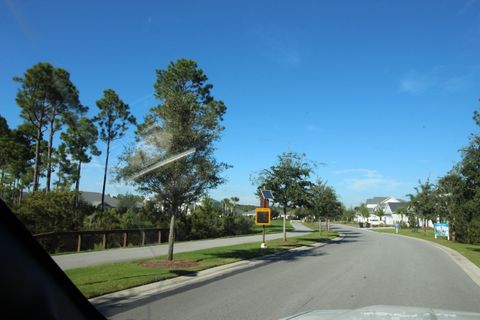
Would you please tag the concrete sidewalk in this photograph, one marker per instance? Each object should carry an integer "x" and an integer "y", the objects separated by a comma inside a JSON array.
[{"x": 85, "y": 259}]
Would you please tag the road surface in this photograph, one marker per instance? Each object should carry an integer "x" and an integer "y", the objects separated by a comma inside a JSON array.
[
  {"x": 85, "y": 259},
  {"x": 366, "y": 268}
]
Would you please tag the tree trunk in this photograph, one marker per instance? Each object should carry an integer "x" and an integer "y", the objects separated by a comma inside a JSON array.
[
  {"x": 284, "y": 223},
  {"x": 36, "y": 172},
  {"x": 49, "y": 154},
  {"x": 319, "y": 224},
  {"x": 77, "y": 183},
  {"x": 171, "y": 237},
  {"x": 105, "y": 174}
]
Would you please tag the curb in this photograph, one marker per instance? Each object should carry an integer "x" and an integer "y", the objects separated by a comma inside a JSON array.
[
  {"x": 466, "y": 265},
  {"x": 130, "y": 295}
]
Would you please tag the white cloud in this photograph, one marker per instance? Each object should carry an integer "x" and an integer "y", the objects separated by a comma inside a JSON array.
[
  {"x": 438, "y": 79},
  {"x": 369, "y": 173},
  {"x": 365, "y": 179}
]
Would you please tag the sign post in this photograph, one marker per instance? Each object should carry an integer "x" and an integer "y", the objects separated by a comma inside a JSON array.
[
  {"x": 263, "y": 218},
  {"x": 441, "y": 230}
]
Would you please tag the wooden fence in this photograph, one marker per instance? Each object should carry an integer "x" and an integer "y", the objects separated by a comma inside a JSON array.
[{"x": 70, "y": 241}]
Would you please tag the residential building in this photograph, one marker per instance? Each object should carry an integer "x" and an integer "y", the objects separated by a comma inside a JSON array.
[{"x": 389, "y": 205}]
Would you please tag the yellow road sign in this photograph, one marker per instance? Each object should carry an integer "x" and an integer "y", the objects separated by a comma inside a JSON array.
[{"x": 262, "y": 216}]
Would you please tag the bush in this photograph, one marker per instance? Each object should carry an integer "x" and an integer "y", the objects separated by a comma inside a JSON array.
[
  {"x": 412, "y": 221},
  {"x": 473, "y": 231},
  {"x": 52, "y": 211},
  {"x": 206, "y": 221},
  {"x": 236, "y": 225}
]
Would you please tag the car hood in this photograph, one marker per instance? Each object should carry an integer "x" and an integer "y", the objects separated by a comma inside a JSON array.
[{"x": 385, "y": 312}]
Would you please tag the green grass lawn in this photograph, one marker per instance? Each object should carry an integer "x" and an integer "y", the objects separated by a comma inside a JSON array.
[
  {"x": 276, "y": 226},
  {"x": 469, "y": 251},
  {"x": 102, "y": 279}
]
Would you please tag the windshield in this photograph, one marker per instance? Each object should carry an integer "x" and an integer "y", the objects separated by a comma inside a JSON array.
[{"x": 247, "y": 159}]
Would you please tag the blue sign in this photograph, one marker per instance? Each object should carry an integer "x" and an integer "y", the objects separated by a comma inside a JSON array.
[{"x": 441, "y": 230}]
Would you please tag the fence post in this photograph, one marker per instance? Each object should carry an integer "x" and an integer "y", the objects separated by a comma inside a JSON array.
[
  {"x": 104, "y": 241},
  {"x": 79, "y": 242},
  {"x": 159, "y": 236},
  {"x": 143, "y": 238},
  {"x": 124, "y": 239}
]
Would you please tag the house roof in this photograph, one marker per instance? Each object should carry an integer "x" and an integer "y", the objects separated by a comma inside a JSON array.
[
  {"x": 95, "y": 199},
  {"x": 375, "y": 200},
  {"x": 397, "y": 205}
]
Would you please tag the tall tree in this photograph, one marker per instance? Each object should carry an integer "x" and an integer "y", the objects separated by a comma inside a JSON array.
[
  {"x": 80, "y": 139},
  {"x": 64, "y": 101},
  {"x": 288, "y": 179},
  {"x": 380, "y": 213},
  {"x": 423, "y": 202},
  {"x": 187, "y": 117},
  {"x": 450, "y": 200},
  {"x": 66, "y": 169},
  {"x": 323, "y": 201},
  {"x": 34, "y": 98},
  {"x": 226, "y": 205},
  {"x": 113, "y": 119},
  {"x": 364, "y": 212}
]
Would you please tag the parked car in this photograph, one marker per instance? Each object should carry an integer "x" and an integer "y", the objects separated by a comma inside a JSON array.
[{"x": 374, "y": 222}]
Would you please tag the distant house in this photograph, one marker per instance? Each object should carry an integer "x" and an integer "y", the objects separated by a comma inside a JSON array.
[
  {"x": 250, "y": 213},
  {"x": 95, "y": 199},
  {"x": 391, "y": 215},
  {"x": 389, "y": 205}
]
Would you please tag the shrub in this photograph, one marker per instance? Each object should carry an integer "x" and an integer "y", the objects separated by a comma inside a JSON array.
[
  {"x": 473, "y": 231},
  {"x": 52, "y": 211}
]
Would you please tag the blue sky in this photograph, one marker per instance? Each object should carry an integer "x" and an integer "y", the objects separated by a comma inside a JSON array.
[{"x": 382, "y": 92}]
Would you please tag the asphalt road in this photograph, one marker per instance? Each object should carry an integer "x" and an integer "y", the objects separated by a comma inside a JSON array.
[
  {"x": 366, "y": 268},
  {"x": 85, "y": 259}
]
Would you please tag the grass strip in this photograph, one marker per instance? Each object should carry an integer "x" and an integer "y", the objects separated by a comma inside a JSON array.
[
  {"x": 103, "y": 279},
  {"x": 469, "y": 251},
  {"x": 276, "y": 226}
]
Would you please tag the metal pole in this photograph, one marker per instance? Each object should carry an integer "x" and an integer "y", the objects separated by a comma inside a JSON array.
[{"x": 263, "y": 234}]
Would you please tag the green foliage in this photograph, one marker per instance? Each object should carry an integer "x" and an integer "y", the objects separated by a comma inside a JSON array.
[
  {"x": 348, "y": 214},
  {"x": 16, "y": 153},
  {"x": 80, "y": 139},
  {"x": 423, "y": 203},
  {"x": 288, "y": 179},
  {"x": 206, "y": 221},
  {"x": 187, "y": 117},
  {"x": 380, "y": 213},
  {"x": 129, "y": 201},
  {"x": 45, "y": 93},
  {"x": 323, "y": 201},
  {"x": 364, "y": 212},
  {"x": 113, "y": 119},
  {"x": 53, "y": 211},
  {"x": 236, "y": 225}
]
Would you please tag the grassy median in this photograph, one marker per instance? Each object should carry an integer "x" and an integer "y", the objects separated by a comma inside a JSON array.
[
  {"x": 469, "y": 251},
  {"x": 102, "y": 279},
  {"x": 276, "y": 226}
]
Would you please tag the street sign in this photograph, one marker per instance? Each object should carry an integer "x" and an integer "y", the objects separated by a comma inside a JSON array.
[
  {"x": 262, "y": 216},
  {"x": 267, "y": 194},
  {"x": 441, "y": 230}
]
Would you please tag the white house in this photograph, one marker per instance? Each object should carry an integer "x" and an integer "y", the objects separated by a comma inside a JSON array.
[
  {"x": 389, "y": 206},
  {"x": 391, "y": 215}
]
